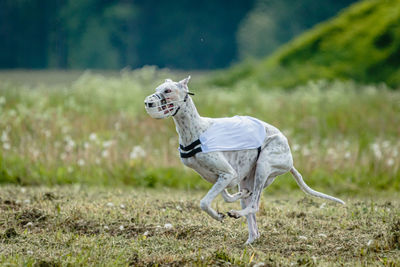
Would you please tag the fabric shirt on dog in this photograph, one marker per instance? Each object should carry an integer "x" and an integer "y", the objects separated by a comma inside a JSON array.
[{"x": 236, "y": 133}]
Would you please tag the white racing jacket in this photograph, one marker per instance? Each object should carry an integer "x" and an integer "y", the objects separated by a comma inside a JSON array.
[{"x": 228, "y": 134}]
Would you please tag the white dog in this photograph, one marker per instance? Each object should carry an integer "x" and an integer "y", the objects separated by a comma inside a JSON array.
[{"x": 227, "y": 152}]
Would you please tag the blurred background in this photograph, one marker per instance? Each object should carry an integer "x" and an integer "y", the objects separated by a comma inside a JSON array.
[
  {"x": 101, "y": 34},
  {"x": 74, "y": 75}
]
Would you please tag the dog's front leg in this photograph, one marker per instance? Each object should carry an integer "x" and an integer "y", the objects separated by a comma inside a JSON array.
[
  {"x": 217, "y": 164},
  {"x": 205, "y": 204}
]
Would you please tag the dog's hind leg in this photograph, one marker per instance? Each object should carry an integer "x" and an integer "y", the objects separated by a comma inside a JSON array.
[
  {"x": 275, "y": 159},
  {"x": 251, "y": 218},
  {"x": 262, "y": 177}
]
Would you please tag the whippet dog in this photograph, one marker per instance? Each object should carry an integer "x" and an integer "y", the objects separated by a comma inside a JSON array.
[{"x": 251, "y": 169}]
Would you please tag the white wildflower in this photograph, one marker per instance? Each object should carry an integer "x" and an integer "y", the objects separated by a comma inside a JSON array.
[
  {"x": 305, "y": 151},
  {"x": 331, "y": 151},
  {"x": 390, "y": 162},
  {"x": 110, "y": 204},
  {"x": 168, "y": 226},
  {"x": 6, "y": 146},
  {"x": 122, "y": 206},
  {"x": 121, "y": 228},
  {"x": 29, "y": 224},
  {"x": 4, "y": 137},
  {"x": 303, "y": 237},
  {"x": 30, "y": 252},
  {"x": 86, "y": 145},
  {"x": 137, "y": 152},
  {"x": 70, "y": 143},
  {"x": 347, "y": 155},
  {"x": 12, "y": 113},
  {"x": 93, "y": 137},
  {"x": 106, "y": 227},
  {"x": 146, "y": 233},
  {"x": 377, "y": 150},
  {"x": 296, "y": 147},
  {"x": 179, "y": 208},
  {"x": 108, "y": 143},
  {"x": 105, "y": 153},
  {"x": 81, "y": 162},
  {"x": 23, "y": 190}
]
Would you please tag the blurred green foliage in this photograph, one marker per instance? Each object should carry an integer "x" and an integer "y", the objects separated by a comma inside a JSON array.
[
  {"x": 94, "y": 130},
  {"x": 272, "y": 23},
  {"x": 103, "y": 34},
  {"x": 361, "y": 43}
]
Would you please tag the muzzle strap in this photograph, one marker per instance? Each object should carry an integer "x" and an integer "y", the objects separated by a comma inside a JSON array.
[{"x": 184, "y": 100}]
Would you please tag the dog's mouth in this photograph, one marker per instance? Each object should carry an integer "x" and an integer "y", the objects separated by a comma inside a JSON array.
[{"x": 167, "y": 107}]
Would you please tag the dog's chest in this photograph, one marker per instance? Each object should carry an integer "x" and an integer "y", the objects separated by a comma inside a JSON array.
[
  {"x": 207, "y": 173},
  {"x": 241, "y": 161}
]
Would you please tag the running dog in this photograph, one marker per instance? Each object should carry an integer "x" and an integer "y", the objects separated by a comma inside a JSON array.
[{"x": 227, "y": 152}]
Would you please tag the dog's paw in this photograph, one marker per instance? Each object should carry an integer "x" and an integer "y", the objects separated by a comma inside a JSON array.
[
  {"x": 233, "y": 214},
  {"x": 221, "y": 217}
]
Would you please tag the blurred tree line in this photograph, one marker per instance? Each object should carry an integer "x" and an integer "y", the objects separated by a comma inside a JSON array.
[{"x": 112, "y": 34}]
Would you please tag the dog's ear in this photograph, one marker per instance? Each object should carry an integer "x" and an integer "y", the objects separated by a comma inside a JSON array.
[
  {"x": 185, "y": 81},
  {"x": 168, "y": 80}
]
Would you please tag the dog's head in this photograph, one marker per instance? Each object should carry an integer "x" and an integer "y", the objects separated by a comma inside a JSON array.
[{"x": 168, "y": 99}]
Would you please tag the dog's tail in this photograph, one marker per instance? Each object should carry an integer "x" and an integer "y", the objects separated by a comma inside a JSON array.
[{"x": 308, "y": 190}]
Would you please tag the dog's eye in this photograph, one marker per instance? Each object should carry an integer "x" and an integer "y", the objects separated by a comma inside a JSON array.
[{"x": 167, "y": 91}]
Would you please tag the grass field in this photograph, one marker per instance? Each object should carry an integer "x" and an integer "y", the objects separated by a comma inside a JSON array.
[
  {"x": 102, "y": 226},
  {"x": 74, "y": 147},
  {"x": 93, "y": 130}
]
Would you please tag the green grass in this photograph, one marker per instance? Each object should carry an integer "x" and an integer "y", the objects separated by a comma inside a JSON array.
[
  {"x": 94, "y": 130},
  {"x": 361, "y": 43},
  {"x": 92, "y": 226}
]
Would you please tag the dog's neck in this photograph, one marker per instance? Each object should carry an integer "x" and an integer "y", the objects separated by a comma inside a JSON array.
[{"x": 189, "y": 124}]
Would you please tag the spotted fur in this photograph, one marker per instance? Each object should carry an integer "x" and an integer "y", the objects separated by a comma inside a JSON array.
[{"x": 244, "y": 169}]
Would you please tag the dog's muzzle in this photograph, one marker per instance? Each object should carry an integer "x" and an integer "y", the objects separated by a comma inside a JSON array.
[{"x": 159, "y": 107}]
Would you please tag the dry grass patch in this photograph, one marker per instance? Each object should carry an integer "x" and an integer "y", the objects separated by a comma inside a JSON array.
[{"x": 42, "y": 226}]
